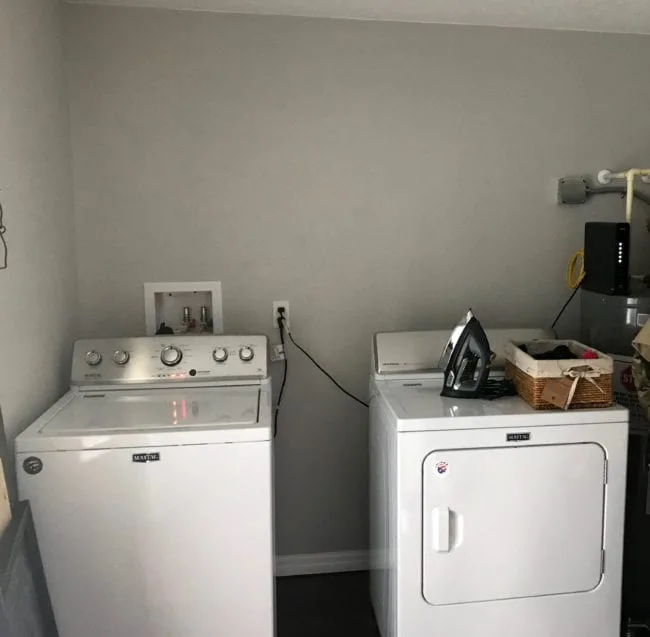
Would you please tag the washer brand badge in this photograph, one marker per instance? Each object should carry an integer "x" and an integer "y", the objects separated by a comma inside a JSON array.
[
  {"x": 517, "y": 437},
  {"x": 146, "y": 457},
  {"x": 33, "y": 465},
  {"x": 442, "y": 468}
]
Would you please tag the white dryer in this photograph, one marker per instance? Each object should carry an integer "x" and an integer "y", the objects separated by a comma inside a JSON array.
[
  {"x": 151, "y": 488},
  {"x": 489, "y": 519}
]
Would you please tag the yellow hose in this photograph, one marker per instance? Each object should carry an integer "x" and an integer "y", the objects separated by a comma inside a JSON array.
[{"x": 573, "y": 280}]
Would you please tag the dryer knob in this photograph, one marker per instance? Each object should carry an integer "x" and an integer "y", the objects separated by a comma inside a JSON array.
[
  {"x": 246, "y": 354},
  {"x": 171, "y": 356}
]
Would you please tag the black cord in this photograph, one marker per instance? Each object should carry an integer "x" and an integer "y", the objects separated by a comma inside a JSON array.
[
  {"x": 318, "y": 366},
  {"x": 284, "y": 375},
  {"x": 564, "y": 307},
  {"x": 5, "y": 249}
]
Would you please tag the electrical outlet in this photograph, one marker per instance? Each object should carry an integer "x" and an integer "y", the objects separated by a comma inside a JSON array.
[
  {"x": 277, "y": 353},
  {"x": 276, "y": 315}
]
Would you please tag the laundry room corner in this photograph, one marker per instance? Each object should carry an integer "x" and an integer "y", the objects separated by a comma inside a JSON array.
[{"x": 235, "y": 239}]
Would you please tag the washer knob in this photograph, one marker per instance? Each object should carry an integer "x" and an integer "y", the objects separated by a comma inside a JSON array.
[
  {"x": 220, "y": 355},
  {"x": 121, "y": 357},
  {"x": 171, "y": 356},
  {"x": 93, "y": 358},
  {"x": 246, "y": 354}
]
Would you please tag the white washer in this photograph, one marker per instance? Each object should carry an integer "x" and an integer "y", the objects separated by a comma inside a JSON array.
[
  {"x": 489, "y": 519},
  {"x": 151, "y": 487}
]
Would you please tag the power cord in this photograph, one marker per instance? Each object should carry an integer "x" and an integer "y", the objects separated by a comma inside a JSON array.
[
  {"x": 321, "y": 369},
  {"x": 573, "y": 279},
  {"x": 4, "y": 249},
  {"x": 282, "y": 326},
  {"x": 564, "y": 307},
  {"x": 281, "y": 320}
]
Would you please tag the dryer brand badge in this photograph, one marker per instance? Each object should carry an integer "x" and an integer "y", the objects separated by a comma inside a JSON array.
[
  {"x": 146, "y": 457},
  {"x": 33, "y": 465},
  {"x": 442, "y": 468}
]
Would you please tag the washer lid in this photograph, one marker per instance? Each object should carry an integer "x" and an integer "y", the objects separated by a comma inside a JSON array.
[{"x": 108, "y": 419}]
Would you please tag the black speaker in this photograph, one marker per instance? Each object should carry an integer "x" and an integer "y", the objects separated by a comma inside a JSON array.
[{"x": 607, "y": 257}]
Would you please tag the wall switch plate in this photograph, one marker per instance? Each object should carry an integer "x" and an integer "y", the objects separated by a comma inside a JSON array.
[
  {"x": 277, "y": 353},
  {"x": 276, "y": 315}
]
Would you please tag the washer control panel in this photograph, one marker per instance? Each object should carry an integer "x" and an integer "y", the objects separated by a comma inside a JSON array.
[{"x": 177, "y": 359}]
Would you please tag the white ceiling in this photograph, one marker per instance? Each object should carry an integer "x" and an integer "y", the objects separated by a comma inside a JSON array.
[{"x": 618, "y": 16}]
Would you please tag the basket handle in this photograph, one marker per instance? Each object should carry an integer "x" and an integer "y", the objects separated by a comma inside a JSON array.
[{"x": 576, "y": 373}]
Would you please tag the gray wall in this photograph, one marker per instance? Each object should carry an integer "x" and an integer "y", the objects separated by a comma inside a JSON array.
[
  {"x": 379, "y": 176},
  {"x": 38, "y": 290}
]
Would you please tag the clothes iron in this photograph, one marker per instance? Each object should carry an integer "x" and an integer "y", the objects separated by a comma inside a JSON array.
[{"x": 466, "y": 360}]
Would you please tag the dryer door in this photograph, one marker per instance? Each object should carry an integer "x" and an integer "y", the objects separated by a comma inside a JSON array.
[{"x": 511, "y": 522}]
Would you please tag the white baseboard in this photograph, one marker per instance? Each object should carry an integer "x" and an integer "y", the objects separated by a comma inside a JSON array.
[{"x": 313, "y": 563}]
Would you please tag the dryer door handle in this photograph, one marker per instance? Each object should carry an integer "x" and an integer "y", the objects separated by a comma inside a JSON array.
[{"x": 441, "y": 529}]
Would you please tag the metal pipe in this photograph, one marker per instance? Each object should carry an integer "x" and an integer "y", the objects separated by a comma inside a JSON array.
[
  {"x": 629, "y": 199},
  {"x": 629, "y": 176}
]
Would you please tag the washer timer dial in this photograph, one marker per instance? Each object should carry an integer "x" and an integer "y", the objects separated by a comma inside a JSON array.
[
  {"x": 220, "y": 355},
  {"x": 171, "y": 355},
  {"x": 93, "y": 358},
  {"x": 246, "y": 354},
  {"x": 121, "y": 357}
]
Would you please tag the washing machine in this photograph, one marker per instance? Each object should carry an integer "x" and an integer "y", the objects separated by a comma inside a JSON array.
[
  {"x": 151, "y": 488},
  {"x": 489, "y": 519}
]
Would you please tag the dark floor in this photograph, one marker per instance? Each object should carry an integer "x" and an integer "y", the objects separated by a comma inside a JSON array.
[{"x": 336, "y": 605}]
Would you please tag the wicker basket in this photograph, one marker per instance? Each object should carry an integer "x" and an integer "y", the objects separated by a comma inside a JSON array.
[{"x": 531, "y": 376}]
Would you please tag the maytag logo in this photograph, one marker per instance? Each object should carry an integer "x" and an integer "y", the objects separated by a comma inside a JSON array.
[
  {"x": 146, "y": 457},
  {"x": 33, "y": 465},
  {"x": 517, "y": 437}
]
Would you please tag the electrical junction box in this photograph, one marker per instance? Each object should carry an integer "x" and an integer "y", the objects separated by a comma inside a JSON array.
[
  {"x": 572, "y": 191},
  {"x": 184, "y": 308}
]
